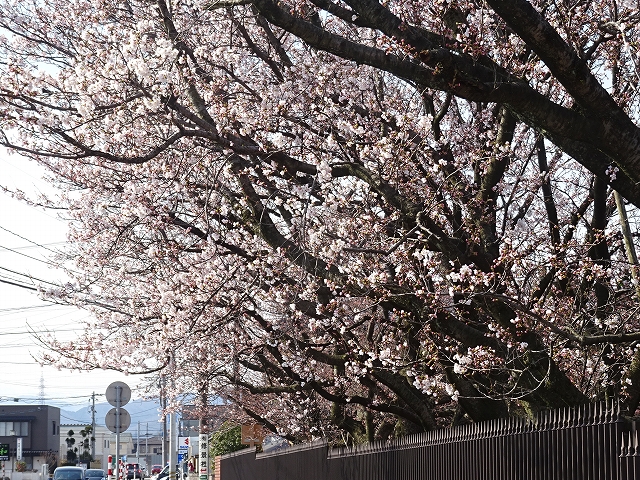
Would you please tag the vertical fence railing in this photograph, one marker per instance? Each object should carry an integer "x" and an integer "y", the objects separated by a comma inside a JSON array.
[
  {"x": 630, "y": 454},
  {"x": 592, "y": 442}
]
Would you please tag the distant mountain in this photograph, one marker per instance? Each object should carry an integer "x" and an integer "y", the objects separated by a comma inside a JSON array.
[{"x": 143, "y": 411}]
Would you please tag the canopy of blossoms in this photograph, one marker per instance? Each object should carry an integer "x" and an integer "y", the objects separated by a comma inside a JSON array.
[{"x": 347, "y": 219}]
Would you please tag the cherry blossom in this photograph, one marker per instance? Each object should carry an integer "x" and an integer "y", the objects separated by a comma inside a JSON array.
[{"x": 345, "y": 219}]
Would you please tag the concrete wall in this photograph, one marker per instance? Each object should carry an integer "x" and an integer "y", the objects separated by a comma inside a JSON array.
[{"x": 23, "y": 476}]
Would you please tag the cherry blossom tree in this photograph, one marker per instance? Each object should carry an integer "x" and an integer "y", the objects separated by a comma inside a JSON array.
[{"x": 348, "y": 219}]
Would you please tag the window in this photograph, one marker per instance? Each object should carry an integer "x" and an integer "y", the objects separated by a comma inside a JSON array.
[
  {"x": 19, "y": 429},
  {"x": 53, "y": 422}
]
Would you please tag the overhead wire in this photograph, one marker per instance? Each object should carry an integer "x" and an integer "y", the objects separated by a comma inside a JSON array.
[
  {"x": 27, "y": 281},
  {"x": 28, "y": 256},
  {"x": 28, "y": 275},
  {"x": 27, "y": 332},
  {"x": 13, "y": 310},
  {"x": 31, "y": 241},
  {"x": 42, "y": 325},
  {"x": 27, "y": 287}
]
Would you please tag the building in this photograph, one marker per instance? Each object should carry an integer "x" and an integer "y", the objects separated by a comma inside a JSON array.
[
  {"x": 150, "y": 451},
  {"x": 102, "y": 438},
  {"x": 37, "y": 428},
  {"x": 147, "y": 448},
  {"x": 189, "y": 426}
]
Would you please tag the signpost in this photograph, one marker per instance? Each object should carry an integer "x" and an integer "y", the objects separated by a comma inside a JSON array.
[
  {"x": 117, "y": 423},
  {"x": 183, "y": 450},
  {"x": 203, "y": 452},
  {"x": 251, "y": 434},
  {"x": 183, "y": 444},
  {"x": 118, "y": 394},
  {"x": 118, "y": 419}
]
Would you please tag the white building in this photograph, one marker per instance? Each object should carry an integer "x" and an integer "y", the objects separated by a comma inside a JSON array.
[{"x": 105, "y": 443}]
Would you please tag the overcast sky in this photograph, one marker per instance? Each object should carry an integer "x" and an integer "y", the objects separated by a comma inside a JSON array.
[{"x": 27, "y": 235}]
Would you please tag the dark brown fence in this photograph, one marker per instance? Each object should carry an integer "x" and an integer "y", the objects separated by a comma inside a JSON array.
[{"x": 590, "y": 442}]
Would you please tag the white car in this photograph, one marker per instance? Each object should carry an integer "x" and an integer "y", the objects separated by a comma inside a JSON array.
[
  {"x": 164, "y": 474},
  {"x": 68, "y": 473}
]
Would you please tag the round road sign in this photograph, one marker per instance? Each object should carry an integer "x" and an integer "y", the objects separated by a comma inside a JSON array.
[
  {"x": 110, "y": 420},
  {"x": 118, "y": 394}
]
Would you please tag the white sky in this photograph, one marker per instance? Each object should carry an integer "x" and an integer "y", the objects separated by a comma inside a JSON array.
[{"x": 19, "y": 373}]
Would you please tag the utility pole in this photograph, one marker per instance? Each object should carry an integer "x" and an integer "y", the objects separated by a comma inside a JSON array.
[
  {"x": 203, "y": 436},
  {"x": 173, "y": 430},
  {"x": 138, "y": 444},
  {"x": 173, "y": 447},
  {"x": 93, "y": 426},
  {"x": 146, "y": 447},
  {"x": 163, "y": 406}
]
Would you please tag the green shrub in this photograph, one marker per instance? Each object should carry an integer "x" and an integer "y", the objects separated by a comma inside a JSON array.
[{"x": 226, "y": 440}]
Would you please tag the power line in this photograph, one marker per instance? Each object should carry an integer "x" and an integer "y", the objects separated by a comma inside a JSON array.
[
  {"x": 51, "y": 264},
  {"x": 29, "y": 276},
  {"x": 72, "y": 419},
  {"x": 15, "y": 363},
  {"x": 31, "y": 241},
  {"x": 22, "y": 309},
  {"x": 29, "y": 332},
  {"x": 31, "y": 247},
  {"x": 26, "y": 287}
]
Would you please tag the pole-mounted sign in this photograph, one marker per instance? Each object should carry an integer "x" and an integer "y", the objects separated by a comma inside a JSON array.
[
  {"x": 118, "y": 394},
  {"x": 203, "y": 453},
  {"x": 118, "y": 419},
  {"x": 117, "y": 423}
]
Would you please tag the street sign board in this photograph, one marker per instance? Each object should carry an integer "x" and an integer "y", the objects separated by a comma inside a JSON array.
[
  {"x": 19, "y": 448},
  {"x": 4, "y": 452},
  {"x": 203, "y": 454},
  {"x": 118, "y": 394},
  {"x": 183, "y": 444},
  {"x": 251, "y": 434},
  {"x": 111, "y": 420}
]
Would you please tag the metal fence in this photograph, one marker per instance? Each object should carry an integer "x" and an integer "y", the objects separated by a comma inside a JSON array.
[{"x": 590, "y": 442}]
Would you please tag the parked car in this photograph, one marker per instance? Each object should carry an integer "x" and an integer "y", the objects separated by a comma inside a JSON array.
[
  {"x": 155, "y": 469},
  {"x": 164, "y": 474},
  {"x": 95, "y": 474},
  {"x": 68, "y": 473},
  {"x": 134, "y": 471}
]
